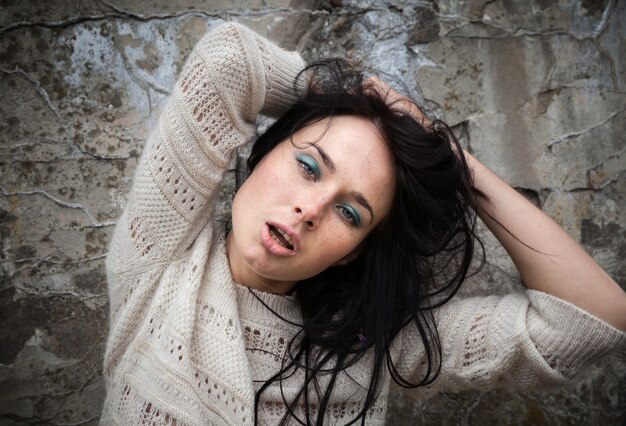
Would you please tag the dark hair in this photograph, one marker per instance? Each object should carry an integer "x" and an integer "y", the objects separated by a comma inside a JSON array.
[{"x": 412, "y": 262}]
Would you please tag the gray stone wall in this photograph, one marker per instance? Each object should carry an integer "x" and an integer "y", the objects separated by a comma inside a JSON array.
[{"x": 536, "y": 89}]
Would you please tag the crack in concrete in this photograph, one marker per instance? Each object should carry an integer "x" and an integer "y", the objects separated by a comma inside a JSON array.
[
  {"x": 59, "y": 202},
  {"x": 59, "y": 398},
  {"x": 600, "y": 188},
  {"x": 572, "y": 135},
  {"x": 49, "y": 259},
  {"x": 523, "y": 32},
  {"x": 79, "y": 155},
  {"x": 519, "y": 33},
  {"x": 41, "y": 142},
  {"x": 39, "y": 420},
  {"x": 610, "y": 157},
  {"x": 597, "y": 33},
  {"x": 453, "y": 401},
  {"x": 141, "y": 82},
  {"x": 604, "y": 21},
  {"x": 131, "y": 73},
  {"x": 15, "y": 150},
  {"x": 215, "y": 13},
  {"x": 582, "y": 189},
  {"x": 470, "y": 409},
  {"x": 36, "y": 294},
  {"x": 122, "y": 14},
  {"x": 71, "y": 156},
  {"x": 52, "y": 24},
  {"x": 484, "y": 6},
  {"x": 93, "y": 156},
  {"x": 40, "y": 91},
  {"x": 614, "y": 74},
  {"x": 65, "y": 157}
]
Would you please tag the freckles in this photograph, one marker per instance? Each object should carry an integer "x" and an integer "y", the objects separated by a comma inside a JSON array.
[
  {"x": 281, "y": 163},
  {"x": 278, "y": 170},
  {"x": 335, "y": 244}
]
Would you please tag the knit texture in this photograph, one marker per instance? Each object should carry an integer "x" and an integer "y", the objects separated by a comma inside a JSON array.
[{"x": 188, "y": 346}]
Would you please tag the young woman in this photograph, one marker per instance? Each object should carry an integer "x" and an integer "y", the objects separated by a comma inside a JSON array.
[{"x": 349, "y": 238}]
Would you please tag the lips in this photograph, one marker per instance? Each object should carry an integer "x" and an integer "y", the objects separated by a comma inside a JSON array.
[
  {"x": 281, "y": 237},
  {"x": 279, "y": 240}
]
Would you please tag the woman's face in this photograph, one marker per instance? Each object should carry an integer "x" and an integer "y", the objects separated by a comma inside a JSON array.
[{"x": 307, "y": 207}]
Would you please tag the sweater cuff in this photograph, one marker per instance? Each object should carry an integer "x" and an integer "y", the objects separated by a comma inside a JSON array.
[
  {"x": 570, "y": 338},
  {"x": 281, "y": 91}
]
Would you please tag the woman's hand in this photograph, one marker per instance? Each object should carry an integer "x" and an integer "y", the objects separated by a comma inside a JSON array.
[
  {"x": 547, "y": 258},
  {"x": 396, "y": 99}
]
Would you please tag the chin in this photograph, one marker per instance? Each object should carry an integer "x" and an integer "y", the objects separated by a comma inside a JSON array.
[{"x": 274, "y": 272}]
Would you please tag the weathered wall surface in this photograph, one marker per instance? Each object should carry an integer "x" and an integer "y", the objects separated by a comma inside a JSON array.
[{"x": 536, "y": 89}]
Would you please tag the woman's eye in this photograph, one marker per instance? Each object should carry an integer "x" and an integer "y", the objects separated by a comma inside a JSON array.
[
  {"x": 309, "y": 166},
  {"x": 349, "y": 214}
]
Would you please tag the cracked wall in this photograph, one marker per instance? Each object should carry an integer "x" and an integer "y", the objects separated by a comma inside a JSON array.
[{"x": 537, "y": 90}]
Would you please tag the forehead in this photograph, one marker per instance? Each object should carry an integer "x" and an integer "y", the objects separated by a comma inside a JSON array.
[{"x": 360, "y": 155}]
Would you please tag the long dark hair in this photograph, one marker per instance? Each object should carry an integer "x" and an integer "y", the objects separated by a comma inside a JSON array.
[{"x": 413, "y": 262}]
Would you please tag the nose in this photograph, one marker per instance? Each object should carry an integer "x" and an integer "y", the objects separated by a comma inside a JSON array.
[{"x": 311, "y": 210}]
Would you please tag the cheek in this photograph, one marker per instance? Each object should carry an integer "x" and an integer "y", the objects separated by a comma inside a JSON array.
[
  {"x": 270, "y": 177},
  {"x": 263, "y": 192},
  {"x": 243, "y": 200},
  {"x": 256, "y": 187},
  {"x": 336, "y": 242}
]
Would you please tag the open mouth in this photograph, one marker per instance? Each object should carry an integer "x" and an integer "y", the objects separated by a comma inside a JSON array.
[{"x": 281, "y": 237}]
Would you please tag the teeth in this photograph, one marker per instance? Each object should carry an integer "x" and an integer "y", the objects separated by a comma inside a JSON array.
[
  {"x": 275, "y": 238},
  {"x": 286, "y": 236},
  {"x": 281, "y": 237}
]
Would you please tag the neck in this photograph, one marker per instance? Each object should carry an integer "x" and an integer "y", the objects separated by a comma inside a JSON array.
[{"x": 244, "y": 275}]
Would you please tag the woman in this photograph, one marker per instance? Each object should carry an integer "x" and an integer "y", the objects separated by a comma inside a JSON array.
[{"x": 348, "y": 240}]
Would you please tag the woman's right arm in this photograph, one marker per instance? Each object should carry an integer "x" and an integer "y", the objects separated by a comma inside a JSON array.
[{"x": 231, "y": 76}]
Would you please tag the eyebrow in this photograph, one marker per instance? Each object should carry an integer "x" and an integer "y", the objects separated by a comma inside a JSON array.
[
  {"x": 325, "y": 158},
  {"x": 358, "y": 197}
]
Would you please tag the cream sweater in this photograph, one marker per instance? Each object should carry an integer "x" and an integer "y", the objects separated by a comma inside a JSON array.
[{"x": 189, "y": 346}]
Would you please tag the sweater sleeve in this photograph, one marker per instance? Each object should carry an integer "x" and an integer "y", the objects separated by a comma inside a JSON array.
[
  {"x": 521, "y": 341},
  {"x": 231, "y": 76}
]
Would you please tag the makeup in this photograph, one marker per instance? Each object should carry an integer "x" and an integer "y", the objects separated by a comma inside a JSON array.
[
  {"x": 309, "y": 166},
  {"x": 350, "y": 214}
]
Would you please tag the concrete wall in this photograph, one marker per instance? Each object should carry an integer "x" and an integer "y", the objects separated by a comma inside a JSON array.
[{"x": 536, "y": 89}]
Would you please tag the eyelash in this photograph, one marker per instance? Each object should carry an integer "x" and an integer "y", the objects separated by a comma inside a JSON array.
[
  {"x": 310, "y": 169},
  {"x": 308, "y": 166},
  {"x": 353, "y": 218}
]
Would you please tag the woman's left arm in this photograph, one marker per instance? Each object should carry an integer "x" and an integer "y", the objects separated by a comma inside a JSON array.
[{"x": 548, "y": 259}]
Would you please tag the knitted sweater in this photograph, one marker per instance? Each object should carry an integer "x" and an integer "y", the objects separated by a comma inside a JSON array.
[{"x": 189, "y": 346}]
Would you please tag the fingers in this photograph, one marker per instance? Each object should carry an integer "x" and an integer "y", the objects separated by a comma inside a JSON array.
[{"x": 396, "y": 99}]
